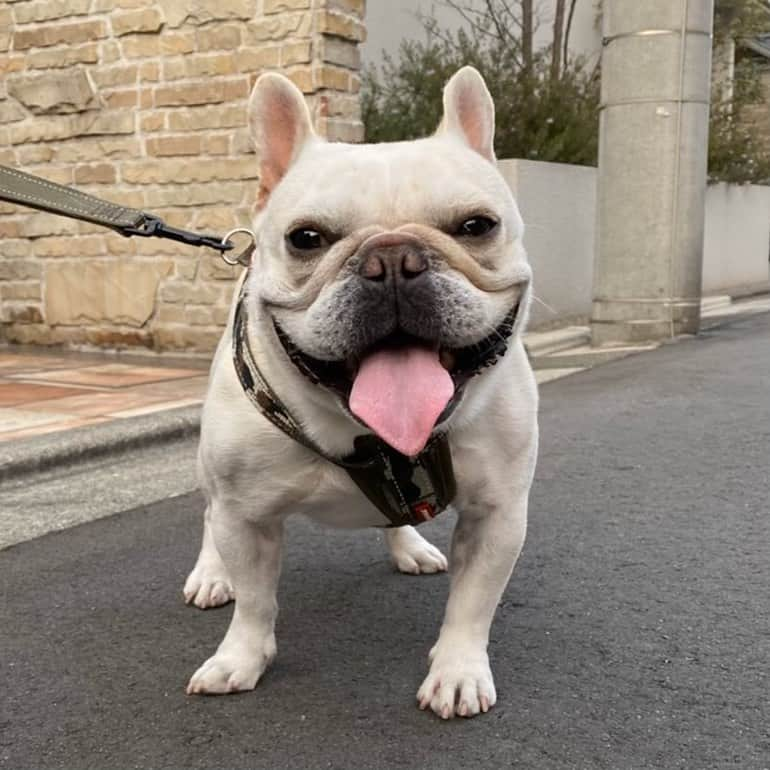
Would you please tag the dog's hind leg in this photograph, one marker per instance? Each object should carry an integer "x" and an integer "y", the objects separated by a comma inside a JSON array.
[
  {"x": 208, "y": 584},
  {"x": 412, "y": 553}
]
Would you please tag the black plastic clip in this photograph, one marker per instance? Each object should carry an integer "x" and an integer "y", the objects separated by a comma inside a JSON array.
[{"x": 154, "y": 227}]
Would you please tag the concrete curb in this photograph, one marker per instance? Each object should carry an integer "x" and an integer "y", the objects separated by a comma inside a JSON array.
[
  {"x": 555, "y": 340},
  {"x": 714, "y": 302},
  {"x": 586, "y": 358},
  {"x": 64, "y": 448}
]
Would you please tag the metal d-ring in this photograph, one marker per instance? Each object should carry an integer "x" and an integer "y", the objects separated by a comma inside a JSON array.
[{"x": 244, "y": 257}]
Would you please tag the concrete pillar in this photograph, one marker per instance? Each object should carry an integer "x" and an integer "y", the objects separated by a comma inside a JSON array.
[{"x": 656, "y": 63}]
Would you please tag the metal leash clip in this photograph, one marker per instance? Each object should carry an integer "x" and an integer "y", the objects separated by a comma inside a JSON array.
[
  {"x": 36, "y": 193},
  {"x": 242, "y": 257},
  {"x": 152, "y": 226}
]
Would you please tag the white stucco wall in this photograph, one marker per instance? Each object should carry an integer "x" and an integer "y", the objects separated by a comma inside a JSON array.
[
  {"x": 558, "y": 204},
  {"x": 737, "y": 237}
]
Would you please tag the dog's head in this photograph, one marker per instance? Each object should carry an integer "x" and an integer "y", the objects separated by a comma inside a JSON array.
[{"x": 391, "y": 271}]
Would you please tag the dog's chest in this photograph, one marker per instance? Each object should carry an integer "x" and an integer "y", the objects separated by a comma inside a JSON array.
[{"x": 336, "y": 501}]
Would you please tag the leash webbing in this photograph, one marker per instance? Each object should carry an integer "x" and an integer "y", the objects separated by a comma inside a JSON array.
[{"x": 33, "y": 192}]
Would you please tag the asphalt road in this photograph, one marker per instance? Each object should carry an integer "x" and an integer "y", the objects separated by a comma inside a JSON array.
[{"x": 635, "y": 632}]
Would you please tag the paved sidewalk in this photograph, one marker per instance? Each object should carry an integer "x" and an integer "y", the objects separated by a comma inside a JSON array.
[{"x": 42, "y": 392}]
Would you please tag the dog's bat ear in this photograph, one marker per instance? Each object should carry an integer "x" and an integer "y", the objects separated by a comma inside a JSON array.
[
  {"x": 280, "y": 126},
  {"x": 469, "y": 111}
]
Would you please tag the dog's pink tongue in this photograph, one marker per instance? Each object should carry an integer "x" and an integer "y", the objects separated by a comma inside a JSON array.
[{"x": 400, "y": 394}]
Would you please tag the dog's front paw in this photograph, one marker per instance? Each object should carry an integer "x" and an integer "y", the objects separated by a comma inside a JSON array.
[
  {"x": 207, "y": 587},
  {"x": 459, "y": 683},
  {"x": 232, "y": 670}
]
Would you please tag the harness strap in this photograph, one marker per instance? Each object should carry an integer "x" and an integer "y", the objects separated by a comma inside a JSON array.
[{"x": 407, "y": 490}]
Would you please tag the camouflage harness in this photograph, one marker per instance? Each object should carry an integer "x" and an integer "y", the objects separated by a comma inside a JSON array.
[{"x": 406, "y": 490}]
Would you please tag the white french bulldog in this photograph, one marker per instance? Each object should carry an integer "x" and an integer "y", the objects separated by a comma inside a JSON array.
[{"x": 380, "y": 267}]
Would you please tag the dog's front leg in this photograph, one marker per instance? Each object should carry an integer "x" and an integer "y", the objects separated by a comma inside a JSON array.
[
  {"x": 485, "y": 547},
  {"x": 252, "y": 555}
]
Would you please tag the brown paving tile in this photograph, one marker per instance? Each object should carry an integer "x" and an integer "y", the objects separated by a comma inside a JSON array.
[
  {"x": 52, "y": 427},
  {"x": 161, "y": 406},
  {"x": 193, "y": 387},
  {"x": 113, "y": 375},
  {"x": 97, "y": 402},
  {"x": 13, "y": 392},
  {"x": 12, "y": 363},
  {"x": 110, "y": 402},
  {"x": 18, "y": 419},
  {"x": 171, "y": 372}
]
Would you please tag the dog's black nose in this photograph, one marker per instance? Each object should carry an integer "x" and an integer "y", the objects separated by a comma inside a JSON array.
[{"x": 398, "y": 261}]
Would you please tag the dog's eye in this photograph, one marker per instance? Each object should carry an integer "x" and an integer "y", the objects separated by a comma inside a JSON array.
[
  {"x": 476, "y": 226},
  {"x": 306, "y": 239}
]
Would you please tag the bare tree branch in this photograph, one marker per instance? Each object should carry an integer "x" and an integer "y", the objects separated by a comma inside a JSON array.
[
  {"x": 558, "y": 32},
  {"x": 502, "y": 32},
  {"x": 484, "y": 24},
  {"x": 480, "y": 25},
  {"x": 507, "y": 15},
  {"x": 435, "y": 32},
  {"x": 568, "y": 29},
  {"x": 527, "y": 32}
]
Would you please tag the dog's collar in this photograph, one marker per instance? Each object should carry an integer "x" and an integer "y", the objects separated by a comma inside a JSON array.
[{"x": 407, "y": 490}]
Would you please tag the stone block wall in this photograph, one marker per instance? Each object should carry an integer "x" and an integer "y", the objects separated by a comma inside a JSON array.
[{"x": 144, "y": 102}]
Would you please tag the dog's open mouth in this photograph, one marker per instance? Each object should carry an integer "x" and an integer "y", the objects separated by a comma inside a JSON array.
[{"x": 402, "y": 386}]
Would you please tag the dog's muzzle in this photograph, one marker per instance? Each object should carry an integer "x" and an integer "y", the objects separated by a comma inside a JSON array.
[{"x": 462, "y": 363}]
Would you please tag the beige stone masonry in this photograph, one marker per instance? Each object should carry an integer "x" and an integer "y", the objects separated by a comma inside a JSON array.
[
  {"x": 90, "y": 291},
  {"x": 59, "y": 92},
  {"x": 144, "y": 102}
]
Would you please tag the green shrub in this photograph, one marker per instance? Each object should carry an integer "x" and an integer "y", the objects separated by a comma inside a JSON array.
[
  {"x": 736, "y": 152},
  {"x": 537, "y": 116},
  {"x": 542, "y": 113}
]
